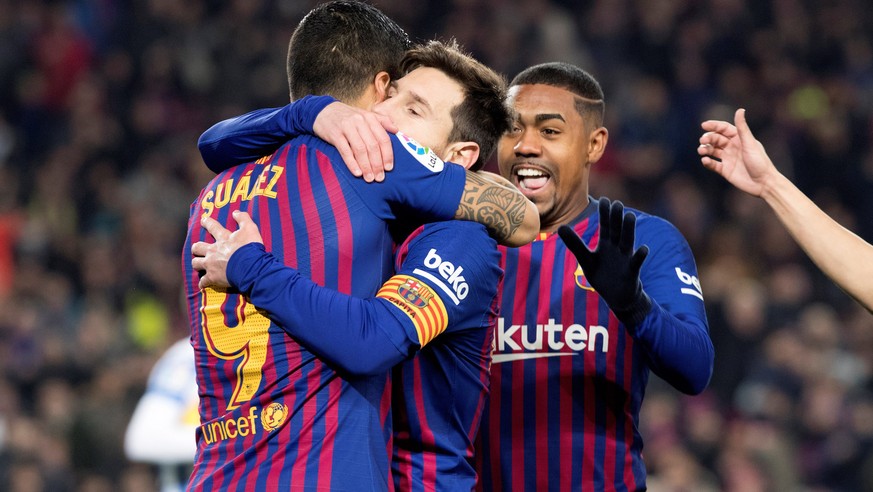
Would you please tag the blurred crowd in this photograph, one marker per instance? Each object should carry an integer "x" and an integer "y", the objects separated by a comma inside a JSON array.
[{"x": 101, "y": 103}]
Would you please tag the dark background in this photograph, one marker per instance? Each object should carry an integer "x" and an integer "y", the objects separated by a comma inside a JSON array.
[{"x": 101, "y": 103}]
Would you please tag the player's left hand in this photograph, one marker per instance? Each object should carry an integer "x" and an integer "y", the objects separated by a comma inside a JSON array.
[
  {"x": 212, "y": 258},
  {"x": 613, "y": 268}
]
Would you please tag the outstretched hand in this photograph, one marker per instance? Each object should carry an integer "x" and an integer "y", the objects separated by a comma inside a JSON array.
[
  {"x": 212, "y": 258},
  {"x": 360, "y": 138},
  {"x": 613, "y": 268},
  {"x": 733, "y": 152}
]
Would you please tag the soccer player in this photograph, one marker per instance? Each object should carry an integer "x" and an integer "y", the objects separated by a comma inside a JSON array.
[
  {"x": 577, "y": 339},
  {"x": 161, "y": 429},
  {"x": 448, "y": 271},
  {"x": 733, "y": 152},
  {"x": 274, "y": 415}
]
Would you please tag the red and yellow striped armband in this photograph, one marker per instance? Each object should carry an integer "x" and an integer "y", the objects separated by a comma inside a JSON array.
[{"x": 418, "y": 301}]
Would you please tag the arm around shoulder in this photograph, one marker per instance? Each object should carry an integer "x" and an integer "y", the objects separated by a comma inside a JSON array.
[{"x": 494, "y": 202}]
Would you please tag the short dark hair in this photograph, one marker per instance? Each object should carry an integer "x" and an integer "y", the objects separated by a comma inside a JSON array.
[
  {"x": 482, "y": 116},
  {"x": 340, "y": 46},
  {"x": 571, "y": 78}
]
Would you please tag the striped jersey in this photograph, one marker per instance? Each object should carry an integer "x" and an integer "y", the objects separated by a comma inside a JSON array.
[
  {"x": 439, "y": 394},
  {"x": 273, "y": 415},
  {"x": 568, "y": 378}
]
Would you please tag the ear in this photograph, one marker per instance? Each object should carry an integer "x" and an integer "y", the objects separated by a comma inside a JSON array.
[
  {"x": 597, "y": 144},
  {"x": 463, "y": 153},
  {"x": 381, "y": 82}
]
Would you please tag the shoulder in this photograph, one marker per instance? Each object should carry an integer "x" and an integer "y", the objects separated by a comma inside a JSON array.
[{"x": 653, "y": 228}]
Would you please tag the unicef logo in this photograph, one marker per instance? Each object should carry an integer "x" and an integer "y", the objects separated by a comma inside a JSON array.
[{"x": 273, "y": 416}]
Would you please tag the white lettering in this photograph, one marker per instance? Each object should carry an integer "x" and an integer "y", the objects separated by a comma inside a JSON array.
[
  {"x": 515, "y": 342},
  {"x": 449, "y": 272}
]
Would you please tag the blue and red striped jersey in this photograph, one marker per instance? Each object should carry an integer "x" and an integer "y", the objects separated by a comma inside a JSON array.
[
  {"x": 439, "y": 394},
  {"x": 273, "y": 415},
  {"x": 568, "y": 378},
  {"x": 442, "y": 303}
]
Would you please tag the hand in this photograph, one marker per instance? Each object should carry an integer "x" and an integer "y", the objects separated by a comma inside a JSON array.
[
  {"x": 733, "y": 152},
  {"x": 212, "y": 258},
  {"x": 360, "y": 138},
  {"x": 613, "y": 268}
]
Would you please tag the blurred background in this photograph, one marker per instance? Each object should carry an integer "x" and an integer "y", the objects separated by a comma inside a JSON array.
[{"x": 101, "y": 103}]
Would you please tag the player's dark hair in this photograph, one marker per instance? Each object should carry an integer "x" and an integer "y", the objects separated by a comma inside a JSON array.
[
  {"x": 340, "y": 46},
  {"x": 482, "y": 116},
  {"x": 571, "y": 78}
]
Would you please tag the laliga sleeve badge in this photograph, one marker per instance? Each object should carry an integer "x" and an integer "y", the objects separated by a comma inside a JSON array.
[{"x": 422, "y": 154}]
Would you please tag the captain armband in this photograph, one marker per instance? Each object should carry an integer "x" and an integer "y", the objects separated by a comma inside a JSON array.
[{"x": 418, "y": 301}]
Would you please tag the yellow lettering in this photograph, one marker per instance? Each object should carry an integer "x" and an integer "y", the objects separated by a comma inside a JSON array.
[
  {"x": 252, "y": 419},
  {"x": 208, "y": 436},
  {"x": 258, "y": 189},
  {"x": 242, "y": 188},
  {"x": 270, "y": 192},
  {"x": 220, "y": 430},
  {"x": 242, "y": 426},
  {"x": 231, "y": 433},
  {"x": 222, "y": 194},
  {"x": 206, "y": 203},
  {"x": 246, "y": 340}
]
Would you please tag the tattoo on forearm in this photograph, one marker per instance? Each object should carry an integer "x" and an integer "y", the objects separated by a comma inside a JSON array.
[{"x": 500, "y": 209}]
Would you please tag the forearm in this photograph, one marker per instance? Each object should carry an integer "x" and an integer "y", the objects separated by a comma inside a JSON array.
[
  {"x": 679, "y": 348},
  {"x": 843, "y": 256},
  {"x": 511, "y": 218},
  {"x": 351, "y": 334},
  {"x": 253, "y": 135}
]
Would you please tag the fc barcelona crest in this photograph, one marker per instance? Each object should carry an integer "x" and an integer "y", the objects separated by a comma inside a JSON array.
[
  {"x": 581, "y": 281},
  {"x": 415, "y": 292}
]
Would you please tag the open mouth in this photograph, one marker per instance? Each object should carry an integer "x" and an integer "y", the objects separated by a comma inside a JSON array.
[{"x": 530, "y": 179}]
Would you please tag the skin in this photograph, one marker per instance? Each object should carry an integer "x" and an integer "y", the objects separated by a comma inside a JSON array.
[
  {"x": 420, "y": 103},
  {"x": 733, "y": 152},
  {"x": 549, "y": 152}
]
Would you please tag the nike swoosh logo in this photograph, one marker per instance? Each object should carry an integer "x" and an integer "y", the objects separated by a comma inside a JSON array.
[{"x": 497, "y": 359}]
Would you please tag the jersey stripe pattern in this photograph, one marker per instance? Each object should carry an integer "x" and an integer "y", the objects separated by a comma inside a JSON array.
[
  {"x": 273, "y": 415},
  {"x": 568, "y": 378},
  {"x": 439, "y": 394}
]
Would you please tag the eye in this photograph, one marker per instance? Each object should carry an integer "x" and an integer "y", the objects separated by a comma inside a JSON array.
[
  {"x": 550, "y": 132},
  {"x": 514, "y": 130},
  {"x": 413, "y": 111}
]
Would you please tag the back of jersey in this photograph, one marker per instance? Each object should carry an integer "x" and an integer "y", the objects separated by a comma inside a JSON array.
[{"x": 272, "y": 414}]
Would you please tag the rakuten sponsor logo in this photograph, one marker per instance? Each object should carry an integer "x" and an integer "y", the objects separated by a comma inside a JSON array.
[{"x": 518, "y": 342}]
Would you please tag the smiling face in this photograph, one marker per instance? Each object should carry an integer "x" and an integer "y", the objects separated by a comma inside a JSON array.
[
  {"x": 549, "y": 151},
  {"x": 420, "y": 104}
]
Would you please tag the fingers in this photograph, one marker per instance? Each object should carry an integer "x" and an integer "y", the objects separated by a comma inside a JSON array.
[
  {"x": 616, "y": 217},
  {"x": 743, "y": 129},
  {"x": 385, "y": 148},
  {"x": 199, "y": 248},
  {"x": 636, "y": 263},
  {"x": 575, "y": 245},
  {"x": 348, "y": 156},
  {"x": 214, "y": 228},
  {"x": 720, "y": 127},
  {"x": 628, "y": 233},
  {"x": 603, "y": 209},
  {"x": 243, "y": 219}
]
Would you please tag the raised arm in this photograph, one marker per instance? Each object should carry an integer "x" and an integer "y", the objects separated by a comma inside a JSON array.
[
  {"x": 733, "y": 152},
  {"x": 661, "y": 305}
]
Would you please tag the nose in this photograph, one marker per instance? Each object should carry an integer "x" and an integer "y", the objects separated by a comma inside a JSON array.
[{"x": 528, "y": 143}]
